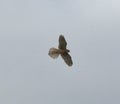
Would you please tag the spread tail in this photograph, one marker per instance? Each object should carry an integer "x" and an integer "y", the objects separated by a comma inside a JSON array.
[{"x": 54, "y": 53}]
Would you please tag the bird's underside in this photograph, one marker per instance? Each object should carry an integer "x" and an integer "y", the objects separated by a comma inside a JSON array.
[{"x": 54, "y": 52}]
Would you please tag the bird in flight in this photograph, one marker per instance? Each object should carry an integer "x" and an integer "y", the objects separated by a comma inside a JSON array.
[{"x": 62, "y": 50}]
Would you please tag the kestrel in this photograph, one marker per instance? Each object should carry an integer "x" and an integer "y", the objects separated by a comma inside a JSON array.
[{"x": 54, "y": 53}]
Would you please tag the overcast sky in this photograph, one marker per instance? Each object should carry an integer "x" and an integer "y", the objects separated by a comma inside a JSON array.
[{"x": 28, "y": 28}]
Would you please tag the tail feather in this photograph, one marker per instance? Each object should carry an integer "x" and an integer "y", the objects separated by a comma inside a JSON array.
[{"x": 54, "y": 53}]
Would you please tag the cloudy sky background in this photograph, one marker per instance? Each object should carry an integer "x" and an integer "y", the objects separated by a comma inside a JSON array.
[{"x": 28, "y": 28}]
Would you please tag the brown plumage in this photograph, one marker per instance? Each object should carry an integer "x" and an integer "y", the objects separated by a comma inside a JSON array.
[{"x": 54, "y": 53}]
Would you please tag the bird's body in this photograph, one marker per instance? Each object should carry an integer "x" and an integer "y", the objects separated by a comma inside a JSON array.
[{"x": 54, "y": 52}]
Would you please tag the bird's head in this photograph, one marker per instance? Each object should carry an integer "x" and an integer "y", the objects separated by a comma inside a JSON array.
[{"x": 67, "y": 50}]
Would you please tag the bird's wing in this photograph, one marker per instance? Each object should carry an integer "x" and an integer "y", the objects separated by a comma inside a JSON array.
[
  {"x": 62, "y": 43},
  {"x": 67, "y": 58}
]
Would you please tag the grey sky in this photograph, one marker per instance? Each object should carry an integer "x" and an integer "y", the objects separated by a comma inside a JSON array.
[{"x": 28, "y": 28}]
